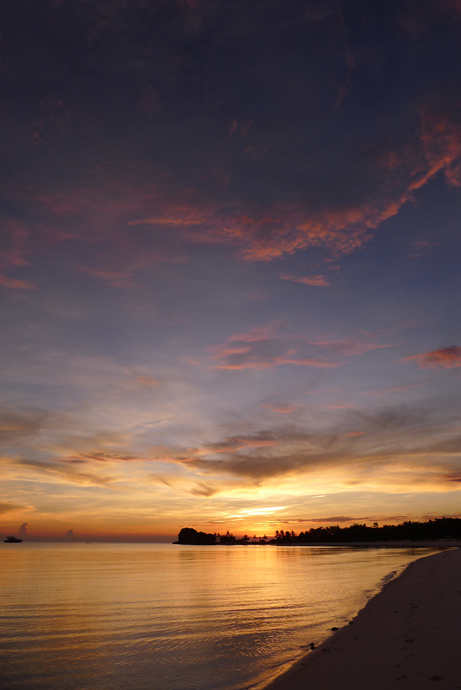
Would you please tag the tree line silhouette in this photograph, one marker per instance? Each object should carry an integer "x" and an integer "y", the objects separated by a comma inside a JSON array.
[{"x": 438, "y": 528}]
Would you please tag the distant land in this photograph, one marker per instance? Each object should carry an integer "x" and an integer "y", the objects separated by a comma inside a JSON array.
[{"x": 430, "y": 530}]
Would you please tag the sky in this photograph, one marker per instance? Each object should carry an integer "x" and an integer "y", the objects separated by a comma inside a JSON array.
[{"x": 229, "y": 265}]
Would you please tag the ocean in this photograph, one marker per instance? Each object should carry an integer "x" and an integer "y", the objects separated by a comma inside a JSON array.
[{"x": 171, "y": 617}]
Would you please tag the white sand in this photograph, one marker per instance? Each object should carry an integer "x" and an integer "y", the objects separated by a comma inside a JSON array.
[{"x": 407, "y": 637}]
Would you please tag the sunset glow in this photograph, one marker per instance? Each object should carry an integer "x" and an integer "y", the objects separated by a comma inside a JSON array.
[{"x": 229, "y": 266}]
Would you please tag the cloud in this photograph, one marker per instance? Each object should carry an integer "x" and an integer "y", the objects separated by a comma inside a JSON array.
[
  {"x": 265, "y": 348},
  {"x": 338, "y": 406},
  {"x": 235, "y": 443},
  {"x": 347, "y": 518},
  {"x": 317, "y": 281},
  {"x": 13, "y": 243},
  {"x": 335, "y": 519},
  {"x": 119, "y": 279},
  {"x": 396, "y": 389},
  {"x": 422, "y": 248},
  {"x": 282, "y": 408},
  {"x": 146, "y": 381},
  {"x": 12, "y": 507},
  {"x": 327, "y": 181},
  {"x": 348, "y": 347},
  {"x": 394, "y": 447},
  {"x": 17, "y": 426},
  {"x": 202, "y": 489},
  {"x": 15, "y": 284},
  {"x": 63, "y": 472},
  {"x": 444, "y": 358},
  {"x": 255, "y": 358},
  {"x": 100, "y": 456},
  {"x": 112, "y": 220},
  {"x": 255, "y": 349}
]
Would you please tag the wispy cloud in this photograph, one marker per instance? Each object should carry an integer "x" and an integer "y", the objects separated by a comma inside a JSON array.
[
  {"x": 146, "y": 381},
  {"x": 422, "y": 248},
  {"x": 257, "y": 351},
  {"x": 443, "y": 358},
  {"x": 317, "y": 281},
  {"x": 266, "y": 348},
  {"x": 396, "y": 389},
  {"x": 13, "y": 508},
  {"x": 15, "y": 284},
  {"x": 394, "y": 446},
  {"x": 281, "y": 408},
  {"x": 338, "y": 405},
  {"x": 63, "y": 472},
  {"x": 119, "y": 279}
]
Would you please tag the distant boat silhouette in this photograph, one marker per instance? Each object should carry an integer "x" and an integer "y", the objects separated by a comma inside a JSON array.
[{"x": 12, "y": 540}]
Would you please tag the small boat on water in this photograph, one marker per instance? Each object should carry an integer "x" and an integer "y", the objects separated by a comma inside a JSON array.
[{"x": 12, "y": 540}]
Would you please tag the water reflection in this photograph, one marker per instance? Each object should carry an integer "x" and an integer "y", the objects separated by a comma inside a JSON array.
[{"x": 83, "y": 616}]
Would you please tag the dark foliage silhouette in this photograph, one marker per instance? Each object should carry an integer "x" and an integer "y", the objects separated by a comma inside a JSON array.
[{"x": 439, "y": 528}]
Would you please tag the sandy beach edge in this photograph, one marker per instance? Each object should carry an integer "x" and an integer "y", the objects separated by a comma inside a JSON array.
[{"x": 406, "y": 636}]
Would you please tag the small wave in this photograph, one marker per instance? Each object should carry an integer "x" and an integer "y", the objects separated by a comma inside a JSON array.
[{"x": 389, "y": 576}]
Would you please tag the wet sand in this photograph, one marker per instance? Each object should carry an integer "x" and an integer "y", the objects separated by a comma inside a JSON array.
[{"x": 407, "y": 637}]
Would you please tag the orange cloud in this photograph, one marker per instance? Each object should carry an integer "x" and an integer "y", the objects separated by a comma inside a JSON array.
[
  {"x": 317, "y": 281},
  {"x": 16, "y": 284},
  {"x": 444, "y": 358}
]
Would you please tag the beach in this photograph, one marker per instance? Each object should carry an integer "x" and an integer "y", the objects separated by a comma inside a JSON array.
[{"x": 406, "y": 637}]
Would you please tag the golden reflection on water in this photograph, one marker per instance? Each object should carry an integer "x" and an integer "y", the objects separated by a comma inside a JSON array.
[{"x": 164, "y": 617}]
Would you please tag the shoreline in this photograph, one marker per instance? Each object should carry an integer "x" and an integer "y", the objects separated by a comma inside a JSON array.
[
  {"x": 405, "y": 637},
  {"x": 433, "y": 544}
]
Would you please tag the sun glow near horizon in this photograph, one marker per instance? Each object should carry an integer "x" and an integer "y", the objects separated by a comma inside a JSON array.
[{"x": 232, "y": 298}]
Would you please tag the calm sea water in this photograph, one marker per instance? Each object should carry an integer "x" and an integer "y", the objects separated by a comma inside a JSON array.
[{"x": 169, "y": 617}]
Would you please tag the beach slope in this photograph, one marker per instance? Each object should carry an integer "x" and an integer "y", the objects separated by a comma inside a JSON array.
[{"x": 407, "y": 637}]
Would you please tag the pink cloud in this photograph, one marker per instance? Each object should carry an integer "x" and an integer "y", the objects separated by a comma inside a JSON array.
[
  {"x": 277, "y": 361},
  {"x": 317, "y": 281},
  {"x": 15, "y": 236},
  {"x": 264, "y": 348},
  {"x": 422, "y": 248},
  {"x": 349, "y": 346},
  {"x": 146, "y": 381},
  {"x": 119, "y": 279},
  {"x": 16, "y": 284},
  {"x": 103, "y": 217},
  {"x": 256, "y": 334},
  {"x": 444, "y": 358}
]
